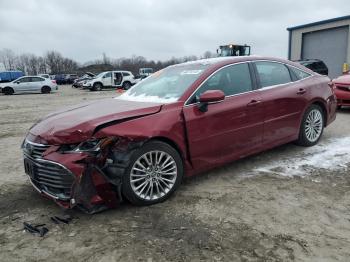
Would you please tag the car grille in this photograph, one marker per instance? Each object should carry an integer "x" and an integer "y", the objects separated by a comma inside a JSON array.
[
  {"x": 34, "y": 150},
  {"x": 47, "y": 176}
]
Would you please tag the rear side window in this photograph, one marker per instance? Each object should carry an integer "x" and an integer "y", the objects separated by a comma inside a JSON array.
[
  {"x": 271, "y": 73},
  {"x": 298, "y": 74},
  {"x": 126, "y": 74},
  {"x": 231, "y": 80},
  {"x": 36, "y": 79}
]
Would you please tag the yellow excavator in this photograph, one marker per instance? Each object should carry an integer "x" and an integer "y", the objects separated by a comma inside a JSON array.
[{"x": 233, "y": 50}]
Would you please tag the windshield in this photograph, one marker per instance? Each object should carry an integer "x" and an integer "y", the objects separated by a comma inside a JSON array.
[
  {"x": 167, "y": 85},
  {"x": 226, "y": 51},
  {"x": 100, "y": 75}
]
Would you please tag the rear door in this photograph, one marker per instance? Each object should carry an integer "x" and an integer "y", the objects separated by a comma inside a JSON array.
[
  {"x": 36, "y": 84},
  {"x": 283, "y": 101},
  {"x": 231, "y": 128}
]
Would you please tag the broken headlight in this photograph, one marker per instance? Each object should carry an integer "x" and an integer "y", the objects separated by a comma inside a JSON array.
[{"x": 89, "y": 146}]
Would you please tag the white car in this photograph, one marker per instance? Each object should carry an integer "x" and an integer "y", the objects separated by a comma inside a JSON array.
[
  {"x": 44, "y": 75},
  {"x": 29, "y": 84},
  {"x": 111, "y": 79}
]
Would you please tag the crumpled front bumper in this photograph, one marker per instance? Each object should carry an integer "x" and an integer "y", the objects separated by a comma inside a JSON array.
[
  {"x": 71, "y": 180},
  {"x": 91, "y": 182}
]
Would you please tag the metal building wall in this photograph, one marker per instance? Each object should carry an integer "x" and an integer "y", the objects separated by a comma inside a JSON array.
[{"x": 297, "y": 34}]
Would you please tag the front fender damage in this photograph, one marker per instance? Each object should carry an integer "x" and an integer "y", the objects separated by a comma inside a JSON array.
[{"x": 99, "y": 186}]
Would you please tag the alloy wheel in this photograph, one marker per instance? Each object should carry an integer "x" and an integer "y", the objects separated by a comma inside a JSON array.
[
  {"x": 314, "y": 125},
  {"x": 153, "y": 175}
]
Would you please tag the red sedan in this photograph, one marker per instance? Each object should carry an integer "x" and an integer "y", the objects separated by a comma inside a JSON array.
[
  {"x": 182, "y": 120},
  {"x": 342, "y": 90}
]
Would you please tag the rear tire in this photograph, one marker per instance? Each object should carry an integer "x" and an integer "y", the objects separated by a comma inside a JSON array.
[
  {"x": 8, "y": 90},
  {"x": 45, "y": 90},
  {"x": 154, "y": 173},
  {"x": 126, "y": 85},
  {"x": 97, "y": 87},
  {"x": 312, "y": 126}
]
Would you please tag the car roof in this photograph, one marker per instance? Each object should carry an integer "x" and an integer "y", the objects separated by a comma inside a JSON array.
[
  {"x": 33, "y": 76},
  {"x": 308, "y": 60},
  {"x": 217, "y": 61}
]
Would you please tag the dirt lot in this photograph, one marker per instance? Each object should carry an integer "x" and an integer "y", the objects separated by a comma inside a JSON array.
[{"x": 287, "y": 204}]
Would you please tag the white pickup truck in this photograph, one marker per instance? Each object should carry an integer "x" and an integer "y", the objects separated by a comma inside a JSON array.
[{"x": 111, "y": 79}]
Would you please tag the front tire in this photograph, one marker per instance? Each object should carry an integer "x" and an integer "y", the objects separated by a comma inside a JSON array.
[
  {"x": 8, "y": 90},
  {"x": 312, "y": 126},
  {"x": 97, "y": 87},
  {"x": 154, "y": 173}
]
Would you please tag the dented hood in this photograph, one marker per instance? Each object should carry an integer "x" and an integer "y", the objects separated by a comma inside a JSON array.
[
  {"x": 76, "y": 124},
  {"x": 342, "y": 80}
]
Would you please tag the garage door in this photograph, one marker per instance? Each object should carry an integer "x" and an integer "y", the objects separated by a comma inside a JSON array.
[{"x": 328, "y": 45}]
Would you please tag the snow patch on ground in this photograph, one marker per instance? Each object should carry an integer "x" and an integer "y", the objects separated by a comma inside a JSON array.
[{"x": 333, "y": 154}]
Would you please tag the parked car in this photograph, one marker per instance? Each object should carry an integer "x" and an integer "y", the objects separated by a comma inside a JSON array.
[
  {"x": 60, "y": 79},
  {"x": 8, "y": 76},
  {"x": 111, "y": 79},
  {"x": 45, "y": 76},
  {"x": 315, "y": 65},
  {"x": 178, "y": 122},
  {"x": 342, "y": 90},
  {"x": 70, "y": 78},
  {"x": 83, "y": 79},
  {"x": 29, "y": 84},
  {"x": 144, "y": 72}
]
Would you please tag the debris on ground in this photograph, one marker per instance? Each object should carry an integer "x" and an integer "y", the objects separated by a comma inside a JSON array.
[{"x": 41, "y": 230}]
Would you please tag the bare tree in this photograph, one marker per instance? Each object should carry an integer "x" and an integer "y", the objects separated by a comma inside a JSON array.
[
  {"x": 208, "y": 54},
  {"x": 54, "y": 62},
  {"x": 8, "y": 58}
]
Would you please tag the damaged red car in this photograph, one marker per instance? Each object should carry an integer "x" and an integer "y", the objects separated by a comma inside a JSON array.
[
  {"x": 342, "y": 90},
  {"x": 182, "y": 120}
]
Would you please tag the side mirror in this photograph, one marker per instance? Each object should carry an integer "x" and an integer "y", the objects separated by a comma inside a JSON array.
[{"x": 210, "y": 97}]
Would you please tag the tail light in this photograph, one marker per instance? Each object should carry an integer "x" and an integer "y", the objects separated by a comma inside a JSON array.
[{"x": 53, "y": 81}]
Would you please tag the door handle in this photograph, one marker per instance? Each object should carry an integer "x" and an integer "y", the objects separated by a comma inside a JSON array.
[
  {"x": 254, "y": 103},
  {"x": 301, "y": 91}
]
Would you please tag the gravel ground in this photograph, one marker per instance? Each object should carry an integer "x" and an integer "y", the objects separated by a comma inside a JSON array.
[{"x": 286, "y": 204}]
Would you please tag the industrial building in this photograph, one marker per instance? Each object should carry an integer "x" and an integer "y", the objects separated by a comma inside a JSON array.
[{"x": 327, "y": 40}]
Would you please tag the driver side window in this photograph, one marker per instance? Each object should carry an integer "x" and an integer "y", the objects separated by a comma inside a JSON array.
[
  {"x": 23, "y": 80},
  {"x": 109, "y": 74},
  {"x": 232, "y": 80}
]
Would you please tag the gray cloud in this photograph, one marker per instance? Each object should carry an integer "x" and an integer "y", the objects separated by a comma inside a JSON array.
[{"x": 155, "y": 29}]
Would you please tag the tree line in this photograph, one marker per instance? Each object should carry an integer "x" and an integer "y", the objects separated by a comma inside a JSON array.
[{"x": 53, "y": 62}]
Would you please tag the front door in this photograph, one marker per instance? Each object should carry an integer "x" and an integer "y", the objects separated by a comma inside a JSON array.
[
  {"x": 230, "y": 129},
  {"x": 22, "y": 84},
  {"x": 107, "y": 79}
]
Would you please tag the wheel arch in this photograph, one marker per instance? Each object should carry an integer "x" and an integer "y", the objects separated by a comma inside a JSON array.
[
  {"x": 9, "y": 88},
  {"x": 171, "y": 143},
  {"x": 97, "y": 82},
  {"x": 324, "y": 109}
]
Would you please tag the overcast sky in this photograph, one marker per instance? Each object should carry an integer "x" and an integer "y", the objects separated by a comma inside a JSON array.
[{"x": 156, "y": 29}]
